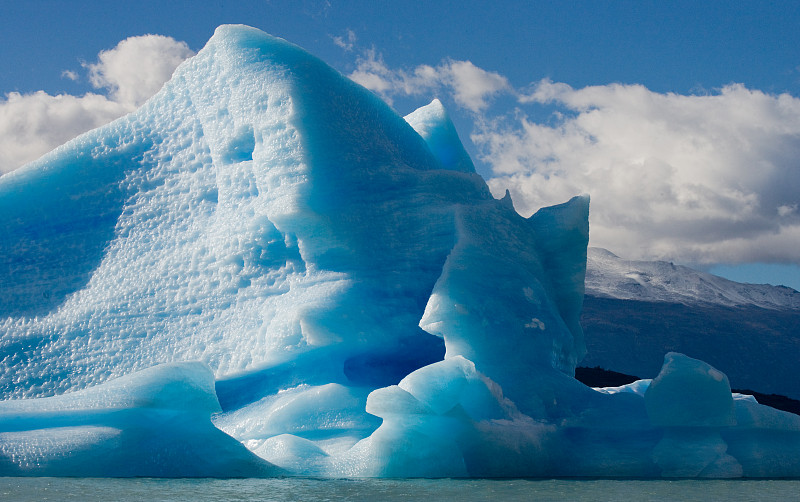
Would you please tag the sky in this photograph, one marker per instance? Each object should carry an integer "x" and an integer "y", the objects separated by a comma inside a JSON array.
[{"x": 681, "y": 119}]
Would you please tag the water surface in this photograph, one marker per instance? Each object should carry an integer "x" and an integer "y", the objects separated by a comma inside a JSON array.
[{"x": 462, "y": 490}]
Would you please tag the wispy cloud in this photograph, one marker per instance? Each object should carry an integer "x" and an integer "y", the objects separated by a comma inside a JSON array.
[
  {"x": 126, "y": 76},
  {"x": 471, "y": 87},
  {"x": 70, "y": 75},
  {"x": 347, "y": 41}
]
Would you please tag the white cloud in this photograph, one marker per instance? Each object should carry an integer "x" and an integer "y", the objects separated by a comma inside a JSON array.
[
  {"x": 71, "y": 75},
  {"x": 33, "y": 124},
  {"x": 689, "y": 178},
  {"x": 471, "y": 87},
  {"x": 787, "y": 210},
  {"x": 137, "y": 67}
]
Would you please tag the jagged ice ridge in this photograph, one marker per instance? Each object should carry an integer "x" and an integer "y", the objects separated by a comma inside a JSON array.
[{"x": 266, "y": 271}]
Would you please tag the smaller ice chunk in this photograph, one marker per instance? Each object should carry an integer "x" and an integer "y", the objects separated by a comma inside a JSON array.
[
  {"x": 689, "y": 393},
  {"x": 443, "y": 386},
  {"x": 752, "y": 415},
  {"x": 693, "y": 402},
  {"x": 156, "y": 422},
  {"x": 765, "y": 441},
  {"x": 447, "y": 420},
  {"x": 293, "y": 453},
  {"x": 430, "y": 423}
]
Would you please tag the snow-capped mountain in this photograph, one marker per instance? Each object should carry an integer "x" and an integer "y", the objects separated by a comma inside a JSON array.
[
  {"x": 636, "y": 311},
  {"x": 609, "y": 276}
]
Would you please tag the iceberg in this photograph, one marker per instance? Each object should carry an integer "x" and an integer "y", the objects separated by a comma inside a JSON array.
[{"x": 265, "y": 271}]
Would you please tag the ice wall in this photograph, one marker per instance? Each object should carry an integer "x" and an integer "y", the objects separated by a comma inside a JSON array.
[{"x": 268, "y": 247}]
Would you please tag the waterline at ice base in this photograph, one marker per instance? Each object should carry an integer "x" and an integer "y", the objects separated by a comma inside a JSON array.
[{"x": 265, "y": 271}]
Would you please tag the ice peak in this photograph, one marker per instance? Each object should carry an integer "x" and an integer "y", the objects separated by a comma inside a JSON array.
[
  {"x": 237, "y": 39},
  {"x": 506, "y": 200},
  {"x": 434, "y": 125}
]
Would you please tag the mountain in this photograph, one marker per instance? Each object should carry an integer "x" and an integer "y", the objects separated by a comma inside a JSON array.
[
  {"x": 635, "y": 311},
  {"x": 265, "y": 271},
  {"x": 609, "y": 276}
]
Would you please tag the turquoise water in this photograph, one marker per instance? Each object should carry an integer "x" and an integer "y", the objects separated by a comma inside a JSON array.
[{"x": 466, "y": 490}]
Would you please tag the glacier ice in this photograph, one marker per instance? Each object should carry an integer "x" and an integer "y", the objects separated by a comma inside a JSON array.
[{"x": 265, "y": 271}]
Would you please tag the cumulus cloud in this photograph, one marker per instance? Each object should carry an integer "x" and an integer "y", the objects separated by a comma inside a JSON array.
[
  {"x": 33, "y": 124},
  {"x": 137, "y": 67},
  {"x": 711, "y": 178},
  {"x": 471, "y": 87},
  {"x": 127, "y": 75}
]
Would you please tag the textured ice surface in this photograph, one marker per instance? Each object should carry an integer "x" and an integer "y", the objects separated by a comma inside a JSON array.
[{"x": 354, "y": 300}]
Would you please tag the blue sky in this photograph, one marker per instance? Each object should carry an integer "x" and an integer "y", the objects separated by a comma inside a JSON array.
[{"x": 679, "y": 118}]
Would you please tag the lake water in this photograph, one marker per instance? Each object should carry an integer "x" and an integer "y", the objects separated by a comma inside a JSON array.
[{"x": 462, "y": 490}]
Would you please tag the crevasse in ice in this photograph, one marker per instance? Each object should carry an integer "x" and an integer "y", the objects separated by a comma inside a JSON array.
[{"x": 266, "y": 271}]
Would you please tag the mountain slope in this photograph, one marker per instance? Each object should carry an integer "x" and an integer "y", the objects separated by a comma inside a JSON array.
[
  {"x": 608, "y": 276},
  {"x": 635, "y": 311}
]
